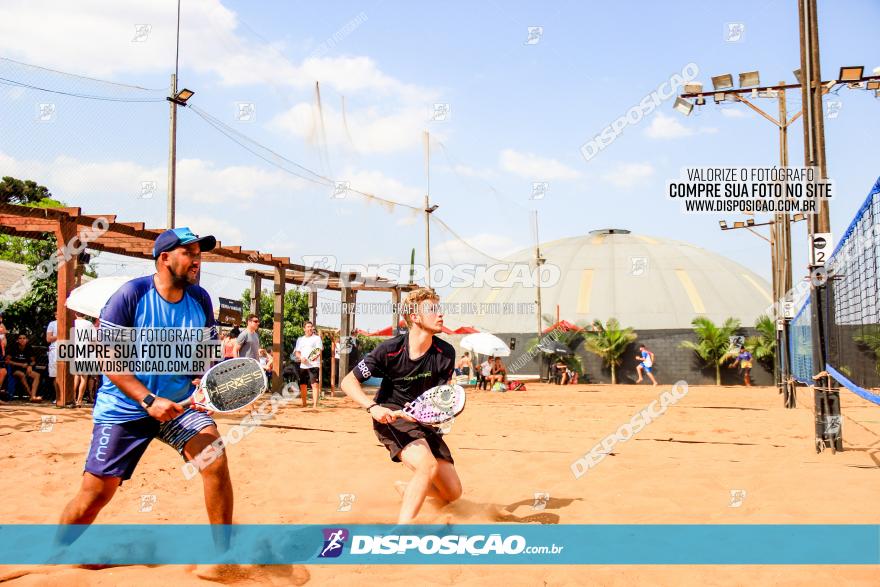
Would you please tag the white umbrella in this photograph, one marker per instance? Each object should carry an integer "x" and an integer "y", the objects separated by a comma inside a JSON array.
[
  {"x": 89, "y": 298},
  {"x": 485, "y": 344}
]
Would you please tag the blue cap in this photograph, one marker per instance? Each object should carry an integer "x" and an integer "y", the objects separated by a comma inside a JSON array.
[{"x": 176, "y": 237}]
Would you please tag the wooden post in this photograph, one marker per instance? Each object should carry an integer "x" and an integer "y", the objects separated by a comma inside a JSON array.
[
  {"x": 256, "y": 286},
  {"x": 351, "y": 315},
  {"x": 333, "y": 346},
  {"x": 278, "y": 328},
  {"x": 313, "y": 306},
  {"x": 344, "y": 331},
  {"x": 63, "y": 234},
  {"x": 395, "y": 310}
]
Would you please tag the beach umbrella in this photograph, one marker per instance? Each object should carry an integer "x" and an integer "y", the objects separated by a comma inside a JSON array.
[
  {"x": 485, "y": 344},
  {"x": 554, "y": 347},
  {"x": 89, "y": 298}
]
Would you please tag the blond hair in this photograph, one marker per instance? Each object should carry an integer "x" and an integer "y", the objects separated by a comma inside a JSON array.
[{"x": 415, "y": 299}]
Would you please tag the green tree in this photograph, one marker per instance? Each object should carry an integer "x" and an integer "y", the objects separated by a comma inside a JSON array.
[
  {"x": 609, "y": 341},
  {"x": 35, "y": 310},
  {"x": 763, "y": 345},
  {"x": 713, "y": 342},
  {"x": 296, "y": 312},
  {"x": 869, "y": 340}
]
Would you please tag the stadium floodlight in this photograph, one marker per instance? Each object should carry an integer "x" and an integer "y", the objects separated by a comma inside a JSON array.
[
  {"x": 873, "y": 85},
  {"x": 798, "y": 217},
  {"x": 739, "y": 224},
  {"x": 181, "y": 97},
  {"x": 701, "y": 101},
  {"x": 693, "y": 87},
  {"x": 718, "y": 97},
  {"x": 750, "y": 222},
  {"x": 877, "y": 70},
  {"x": 683, "y": 106},
  {"x": 722, "y": 82},
  {"x": 851, "y": 73},
  {"x": 877, "y": 94},
  {"x": 722, "y": 224},
  {"x": 749, "y": 79},
  {"x": 797, "y": 75}
]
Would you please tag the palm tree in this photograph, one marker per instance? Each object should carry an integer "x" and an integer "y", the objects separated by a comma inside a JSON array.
[
  {"x": 713, "y": 344},
  {"x": 869, "y": 339},
  {"x": 763, "y": 346},
  {"x": 609, "y": 341}
]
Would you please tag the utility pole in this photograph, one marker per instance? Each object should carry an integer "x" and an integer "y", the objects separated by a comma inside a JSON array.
[
  {"x": 782, "y": 237},
  {"x": 172, "y": 154},
  {"x": 825, "y": 394},
  {"x": 172, "y": 149},
  {"x": 428, "y": 208},
  {"x": 539, "y": 261}
]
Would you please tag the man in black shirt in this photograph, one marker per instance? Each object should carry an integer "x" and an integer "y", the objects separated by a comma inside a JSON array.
[
  {"x": 20, "y": 357},
  {"x": 410, "y": 364}
]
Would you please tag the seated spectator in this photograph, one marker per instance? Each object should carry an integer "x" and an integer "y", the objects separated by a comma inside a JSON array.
[
  {"x": 498, "y": 373},
  {"x": 483, "y": 372},
  {"x": 559, "y": 373},
  {"x": 21, "y": 360},
  {"x": 2, "y": 338}
]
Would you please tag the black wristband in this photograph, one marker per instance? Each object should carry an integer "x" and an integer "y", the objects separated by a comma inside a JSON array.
[{"x": 371, "y": 406}]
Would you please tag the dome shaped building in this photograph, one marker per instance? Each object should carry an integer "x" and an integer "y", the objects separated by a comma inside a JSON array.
[{"x": 656, "y": 286}]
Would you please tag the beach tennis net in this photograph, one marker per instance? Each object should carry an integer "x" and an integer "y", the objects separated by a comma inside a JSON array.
[{"x": 851, "y": 309}]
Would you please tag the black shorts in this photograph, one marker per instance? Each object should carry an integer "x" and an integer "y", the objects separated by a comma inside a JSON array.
[
  {"x": 308, "y": 376},
  {"x": 397, "y": 435}
]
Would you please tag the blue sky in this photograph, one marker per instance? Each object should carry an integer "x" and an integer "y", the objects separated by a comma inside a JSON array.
[{"x": 519, "y": 113}]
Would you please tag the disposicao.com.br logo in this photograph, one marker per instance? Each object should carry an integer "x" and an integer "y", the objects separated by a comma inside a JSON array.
[{"x": 430, "y": 544}]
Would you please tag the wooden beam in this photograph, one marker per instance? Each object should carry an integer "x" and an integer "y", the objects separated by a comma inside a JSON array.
[
  {"x": 395, "y": 310},
  {"x": 344, "y": 333},
  {"x": 256, "y": 289},
  {"x": 313, "y": 306}
]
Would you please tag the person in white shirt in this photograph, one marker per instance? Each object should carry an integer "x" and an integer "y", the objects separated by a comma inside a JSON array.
[
  {"x": 308, "y": 351},
  {"x": 485, "y": 371},
  {"x": 52, "y": 352}
]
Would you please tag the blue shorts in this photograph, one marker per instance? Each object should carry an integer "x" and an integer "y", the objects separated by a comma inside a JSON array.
[
  {"x": 646, "y": 368},
  {"x": 117, "y": 448}
]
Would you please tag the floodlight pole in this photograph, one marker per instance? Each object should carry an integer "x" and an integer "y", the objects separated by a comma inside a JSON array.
[
  {"x": 172, "y": 155},
  {"x": 825, "y": 394}
]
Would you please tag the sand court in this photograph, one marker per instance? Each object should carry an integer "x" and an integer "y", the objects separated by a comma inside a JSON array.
[{"x": 727, "y": 455}]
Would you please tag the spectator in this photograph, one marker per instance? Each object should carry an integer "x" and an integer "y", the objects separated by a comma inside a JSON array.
[
  {"x": 52, "y": 353},
  {"x": 20, "y": 358},
  {"x": 2, "y": 338},
  {"x": 306, "y": 347},
  {"x": 229, "y": 343},
  {"x": 465, "y": 365},
  {"x": 484, "y": 372},
  {"x": 559, "y": 369},
  {"x": 266, "y": 362},
  {"x": 80, "y": 381},
  {"x": 248, "y": 342},
  {"x": 498, "y": 373}
]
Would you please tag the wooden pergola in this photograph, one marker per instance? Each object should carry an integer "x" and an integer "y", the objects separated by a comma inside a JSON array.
[
  {"x": 132, "y": 239},
  {"x": 347, "y": 283}
]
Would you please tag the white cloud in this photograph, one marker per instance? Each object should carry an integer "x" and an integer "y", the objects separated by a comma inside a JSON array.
[
  {"x": 468, "y": 171},
  {"x": 627, "y": 175},
  {"x": 369, "y": 131},
  {"x": 456, "y": 251},
  {"x": 667, "y": 127},
  {"x": 97, "y": 38},
  {"x": 379, "y": 184},
  {"x": 533, "y": 167},
  {"x": 203, "y": 181},
  {"x": 224, "y": 231}
]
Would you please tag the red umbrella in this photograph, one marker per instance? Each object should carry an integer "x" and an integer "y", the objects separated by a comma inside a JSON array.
[{"x": 563, "y": 325}]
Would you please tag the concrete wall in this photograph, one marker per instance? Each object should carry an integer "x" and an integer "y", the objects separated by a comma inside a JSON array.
[{"x": 671, "y": 361}]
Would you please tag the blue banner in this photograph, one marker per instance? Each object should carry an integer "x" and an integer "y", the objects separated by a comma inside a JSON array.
[{"x": 600, "y": 544}]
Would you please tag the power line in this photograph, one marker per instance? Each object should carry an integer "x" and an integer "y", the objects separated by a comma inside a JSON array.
[
  {"x": 9, "y": 82},
  {"x": 93, "y": 79}
]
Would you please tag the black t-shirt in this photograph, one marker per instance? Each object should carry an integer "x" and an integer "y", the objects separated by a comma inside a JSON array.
[
  {"x": 20, "y": 354},
  {"x": 404, "y": 379}
]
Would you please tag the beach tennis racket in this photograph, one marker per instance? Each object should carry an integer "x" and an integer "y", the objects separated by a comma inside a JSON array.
[
  {"x": 313, "y": 356},
  {"x": 436, "y": 405},
  {"x": 229, "y": 386}
]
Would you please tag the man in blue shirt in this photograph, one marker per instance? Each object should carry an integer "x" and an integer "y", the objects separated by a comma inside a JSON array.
[{"x": 133, "y": 409}]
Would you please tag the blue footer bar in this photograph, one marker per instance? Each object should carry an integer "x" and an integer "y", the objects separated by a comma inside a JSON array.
[{"x": 576, "y": 544}]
